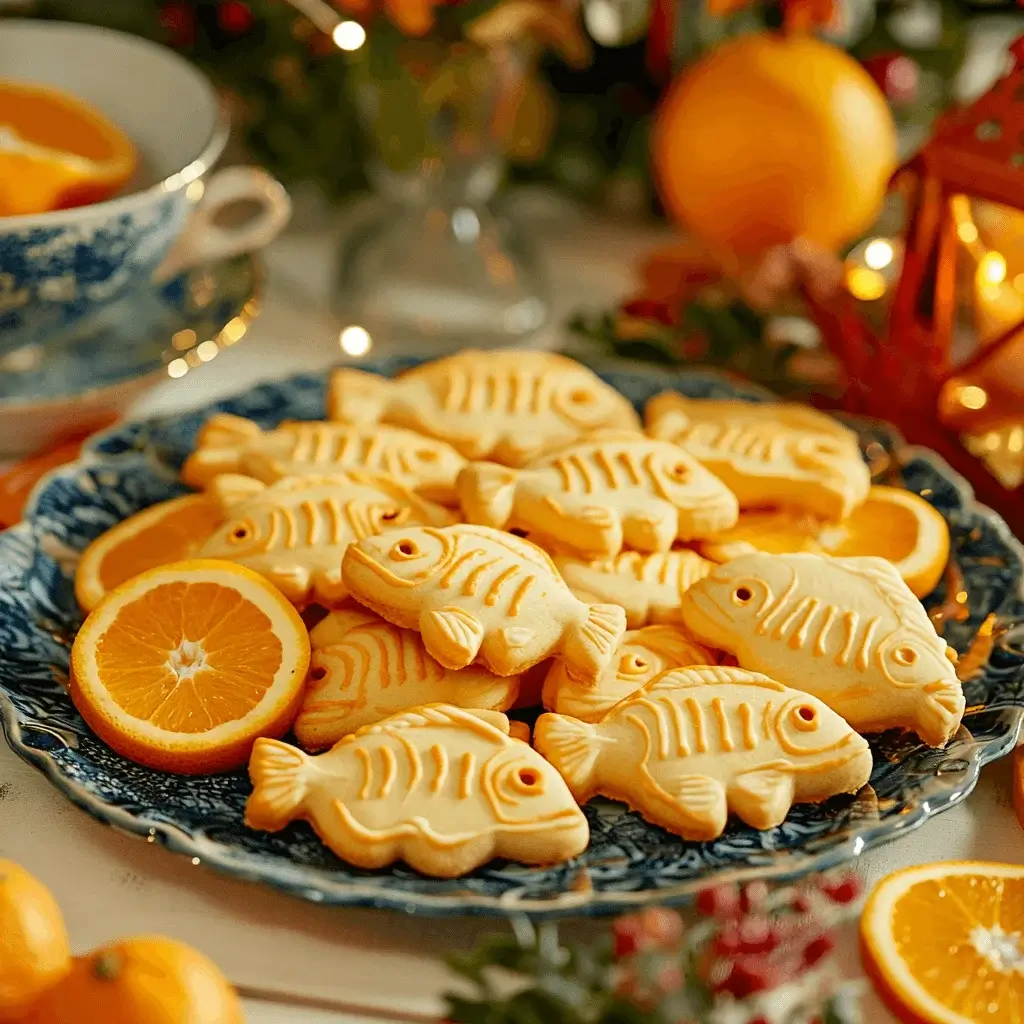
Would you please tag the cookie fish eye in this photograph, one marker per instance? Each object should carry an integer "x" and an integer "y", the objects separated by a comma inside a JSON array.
[
  {"x": 526, "y": 780},
  {"x": 426, "y": 455},
  {"x": 239, "y": 533},
  {"x": 742, "y": 595},
  {"x": 394, "y": 515},
  {"x": 404, "y": 550},
  {"x": 633, "y": 664},
  {"x": 905, "y": 655},
  {"x": 805, "y": 717},
  {"x": 580, "y": 396},
  {"x": 678, "y": 471}
]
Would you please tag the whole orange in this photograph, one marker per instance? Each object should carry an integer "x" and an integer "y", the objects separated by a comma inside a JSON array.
[
  {"x": 771, "y": 137},
  {"x": 34, "y": 951},
  {"x": 144, "y": 980}
]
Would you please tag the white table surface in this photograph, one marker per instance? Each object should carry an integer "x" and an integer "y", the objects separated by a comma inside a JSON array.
[{"x": 348, "y": 966}]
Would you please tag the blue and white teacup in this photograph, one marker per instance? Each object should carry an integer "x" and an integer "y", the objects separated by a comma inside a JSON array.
[{"x": 59, "y": 270}]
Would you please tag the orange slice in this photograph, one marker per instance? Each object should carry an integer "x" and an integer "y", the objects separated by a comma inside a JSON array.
[
  {"x": 57, "y": 152},
  {"x": 183, "y": 667},
  {"x": 944, "y": 943},
  {"x": 892, "y": 523},
  {"x": 166, "y": 532}
]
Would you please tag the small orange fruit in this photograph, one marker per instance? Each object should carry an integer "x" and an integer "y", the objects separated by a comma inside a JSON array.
[
  {"x": 166, "y": 532},
  {"x": 772, "y": 137},
  {"x": 34, "y": 951},
  {"x": 892, "y": 523},
  {"x": 144, "y": 980},
  {"x": 943, "y": 942},
  {"x": 57, "y": 152},
  {"x": 183, "y": 667}
]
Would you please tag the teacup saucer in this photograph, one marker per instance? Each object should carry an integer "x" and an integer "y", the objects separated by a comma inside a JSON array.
[{"x": 49, "y": 391}]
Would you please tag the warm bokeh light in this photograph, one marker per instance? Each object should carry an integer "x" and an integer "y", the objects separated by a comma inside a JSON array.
[
  {"x": 992, "y": 268},
  {"x": 349, "y": 35},
  {"x": 208, "y": 350},
  {"x": 967, "y": 232},
  {"x": 355, "y": 340},
  {"x": 970, "y": 396},
  {"x": 865, "y": 284},
  {"x": 177, "y": 368},
  {"x": 878, "y": 254}
]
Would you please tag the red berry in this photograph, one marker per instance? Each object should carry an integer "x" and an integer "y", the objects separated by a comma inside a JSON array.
[
  {"x": 801, "y": 904},
  {"x": 727, "y": 941},
  {"x": 747, "y": 977},
  {"x": 234, "y": 17},
  {"x": 650, "y": 309},
  {"x": 661, "y": 926},
  {"x": 719, "y": 901},
  {"x": 178, "y": 21},
  {"x": 757, "y": 935},
  {"x": 817, "y": 948},
  {"x": 628, "y": 936},
  {"x": 843, "y": 890},
  {"x": 753, "y": 896}
]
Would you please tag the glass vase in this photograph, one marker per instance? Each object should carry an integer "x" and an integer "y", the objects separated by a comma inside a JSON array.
[{"x": 434, "y": 268}]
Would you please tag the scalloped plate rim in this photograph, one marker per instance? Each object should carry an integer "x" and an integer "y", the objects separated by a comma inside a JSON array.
[{"x": 352, "y": 894}]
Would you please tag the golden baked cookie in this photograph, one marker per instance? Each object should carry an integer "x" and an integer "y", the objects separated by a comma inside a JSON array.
[
  {"x": 697, "y": 743},
  {"x": 477, "y": 594},
  {"x": 847, "y": 630},
  {"x": 506, "y": 406},
  {"x": 232, "y": 444},
  {"x": 295, "y": 531},
  {"x": 364, "y": 669},
  {"x": 649, "y": 588},
  {"x": 595, "y": 497},
  {"x": 442, "y": 788},
  {"x": 642, "y": 655},
  {"x": 768, "y": 453}
]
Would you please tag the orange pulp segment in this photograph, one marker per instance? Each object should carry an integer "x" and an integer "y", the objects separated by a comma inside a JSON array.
[
  {"x": 166, "y": 532},
  {"x": 57, "y": 151},
  {"x": 943, "y": 942},
  {"x": 892, "y": 523},
  {"x": 184, "y": 666}
]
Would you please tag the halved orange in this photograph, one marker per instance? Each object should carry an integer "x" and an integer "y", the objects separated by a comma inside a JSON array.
[
  {"x": 166, "y": 532},
  {"x": 944, "y": 943},
  {"x": 57, "y": 151},
  {"x": 183, "y": 667},
  {"x": 892, "y": 523}
]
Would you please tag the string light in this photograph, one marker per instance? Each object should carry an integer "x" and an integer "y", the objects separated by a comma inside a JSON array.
[
  {"x": 355, "y": 340},
  {"x": 992, "y": 268},
  {"x": 865, "y": 284},
  {"x": 348, "y": 35},
  {"x": 878, "y": 254}
]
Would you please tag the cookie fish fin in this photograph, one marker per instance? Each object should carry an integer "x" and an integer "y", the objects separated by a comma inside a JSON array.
[
  {"x": 487, "y": 493},
  {"x": 653, "y": 530},
  {"x": 452, "y": 636},
  {"x": 665, "y": 416},
  {"x": 588, "y": 647},
  {"x": 440, "y": 714},
  {"x": 886, "y": 578},
  {"x": 292, "y": 580},
  {"x": 262, "y": 466},
  {"x": 705, "y": 675},
  {"x": 939, "y": 712},
  {"x": 223, "y": 430},
  {"x": 329, "y": 587},
  {"x": 573, "y": 747},
  {"x": 219, "y": 449},
  {"x": 231, "y": 489},
  {"x": 762, "y": 797},
  {"x": 338, "y": 624},
  {"x": 502, "y": 649},
  {"x": 358, "y": 397},
  {"x": 280, "y": 778},
  {"x": 698, "y": 800}
]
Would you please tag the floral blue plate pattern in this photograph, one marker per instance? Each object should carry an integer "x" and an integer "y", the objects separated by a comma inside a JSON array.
[{"x": 980, "y": 606}]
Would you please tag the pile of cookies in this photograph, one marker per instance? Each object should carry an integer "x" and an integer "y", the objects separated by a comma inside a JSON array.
[{"x": 495, "y": 530}]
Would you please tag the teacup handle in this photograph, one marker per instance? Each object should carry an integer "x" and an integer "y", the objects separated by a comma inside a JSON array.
[{"x": 205, "y": 241}]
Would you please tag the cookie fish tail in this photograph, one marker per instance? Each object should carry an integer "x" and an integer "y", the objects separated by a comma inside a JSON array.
[
  {"x": 590, "y": 646},
  {"x": 279, "y": 774},
  {"x": 573, "y": 747},
  {"x": 358, "y": 397},
  {"x": 487, "y": 493},
  {"x": 939, "y": 713}
]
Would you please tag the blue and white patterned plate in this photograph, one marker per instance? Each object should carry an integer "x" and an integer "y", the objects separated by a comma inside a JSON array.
[{"x": 628, "y": 862}]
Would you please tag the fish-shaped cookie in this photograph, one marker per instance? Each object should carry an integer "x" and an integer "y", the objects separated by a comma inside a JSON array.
[
  {"x": 768, "y": 453},
  {"x": 649, "y": 587},
  {"x": 442, "y": 788},
  {"x": 598, "y": 495},
  {"x": 847, "y": 630},
  {"x": 364, "y": 669},
  {"x": 505, "y": 406},
  {"x": 475, "y": 593},
  {"x": 233, "y": 444},
  {"x": 642, "y": 655},
  {"x": 295, "y": 531},
  {"x": 696, "y": 743}
]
